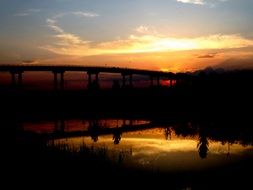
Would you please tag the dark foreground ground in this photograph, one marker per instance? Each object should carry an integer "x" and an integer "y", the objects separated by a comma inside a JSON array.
[{"x": 213, "y": 101}]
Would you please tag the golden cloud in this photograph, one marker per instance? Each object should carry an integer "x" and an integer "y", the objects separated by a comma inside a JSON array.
[
  {"x": 69, "y": 44},
  {"x": 144, "y": 42}
]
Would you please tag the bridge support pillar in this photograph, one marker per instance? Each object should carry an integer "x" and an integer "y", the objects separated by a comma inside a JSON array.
[
  {"x": 171, "y": 82},
  {"x": 178, "y": 81},
  {"x": 13, "y": 79},
  {"x": 131, "y": 80},
  {"x": 158, "y": 81},
  {"x": 96, "y": 80},
  {"x": 59, "y": 126},
  {"x": 89, "y": 80},
  {"x": 16, "y": 81},
  {"x": 56, "y": 82},
  {"x": 62, "y": 81},
  {"x": 125, "y": 81},
  {"x": 20, "y": 79},
  {"x": 151, "y": 81},
  {"x": 95, "y": 83}
]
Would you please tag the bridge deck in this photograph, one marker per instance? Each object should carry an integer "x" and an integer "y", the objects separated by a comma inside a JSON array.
[{"x": 91, "y": 69}]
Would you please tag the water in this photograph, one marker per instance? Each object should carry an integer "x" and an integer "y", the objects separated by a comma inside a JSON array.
[{"x": 149, "y": 146}]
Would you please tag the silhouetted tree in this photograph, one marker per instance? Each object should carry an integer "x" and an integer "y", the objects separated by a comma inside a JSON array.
[
  {"x": 167, "y": 133},
  {"x": 203, "y": 147},
  {"x": 94, "y": 130},
  {"x": 117, "y": 136},
  {"x": 228, "y": 153}
]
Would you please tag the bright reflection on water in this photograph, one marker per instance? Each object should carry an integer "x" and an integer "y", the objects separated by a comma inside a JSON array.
[{"x": 140, "y": 144}]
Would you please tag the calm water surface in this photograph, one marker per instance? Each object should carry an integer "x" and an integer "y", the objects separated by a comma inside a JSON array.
[{"x": 143, "y": 144}]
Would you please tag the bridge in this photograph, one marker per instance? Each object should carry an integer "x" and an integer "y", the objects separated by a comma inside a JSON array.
[
  {"x": 17, "y": 70},
  {"x": 94, "y": 131},
  {"x": 98, "y": 130}
]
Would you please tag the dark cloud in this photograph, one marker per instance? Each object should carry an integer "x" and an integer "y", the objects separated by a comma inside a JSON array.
[
  {"x": 207, "y": 56},
  {"x": 232, "y": 64},
  {"x": 29, "y": 61}
]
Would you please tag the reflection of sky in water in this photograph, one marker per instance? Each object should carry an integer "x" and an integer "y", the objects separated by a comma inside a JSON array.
[{"x": 150, "y": 150}]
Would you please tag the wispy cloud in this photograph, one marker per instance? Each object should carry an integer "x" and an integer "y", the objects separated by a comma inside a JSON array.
[
  {"x": 64, "y": 38},
  {"x": 52, "y": 24},
  {"x": 22, "y": 14},
  {"x": 142, "y": 29},
  {"x": 197, "y": 2},
  {"x": 33, "y": 10},
  {"x": 27, "y": 12},
  {"x": 210, "y": 3},
  {"x": 67, "y": 43},
  {"x": 71, "y": 44},
  {"x": 85, "y": 14},
  {"x": 146, "y": 30},
  {"x": 144, "y": 40}
]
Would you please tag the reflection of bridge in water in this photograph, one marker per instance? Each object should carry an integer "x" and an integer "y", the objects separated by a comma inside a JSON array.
[
  {"x": 93, "y": 72},
  {"x": 200, "y": 132},
  {"x": 96, "y": 130}
]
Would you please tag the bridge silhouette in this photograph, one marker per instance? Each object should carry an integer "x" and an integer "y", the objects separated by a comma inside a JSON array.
[
  {"x": 17, "y": 70},
  {"x": 94, "y": 131},
  {"x": 99, "y": 130}
]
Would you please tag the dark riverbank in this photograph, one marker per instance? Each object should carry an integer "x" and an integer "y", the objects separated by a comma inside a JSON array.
[
  {"x": 214, "y": 108},
  {"x": 204, "y": 93}
]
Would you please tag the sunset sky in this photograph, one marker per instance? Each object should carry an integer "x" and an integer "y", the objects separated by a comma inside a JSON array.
[{"x": 168, "y": 35}]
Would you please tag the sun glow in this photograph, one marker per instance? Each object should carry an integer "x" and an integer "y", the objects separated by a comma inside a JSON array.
[{"x": 174, "y": 44}]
